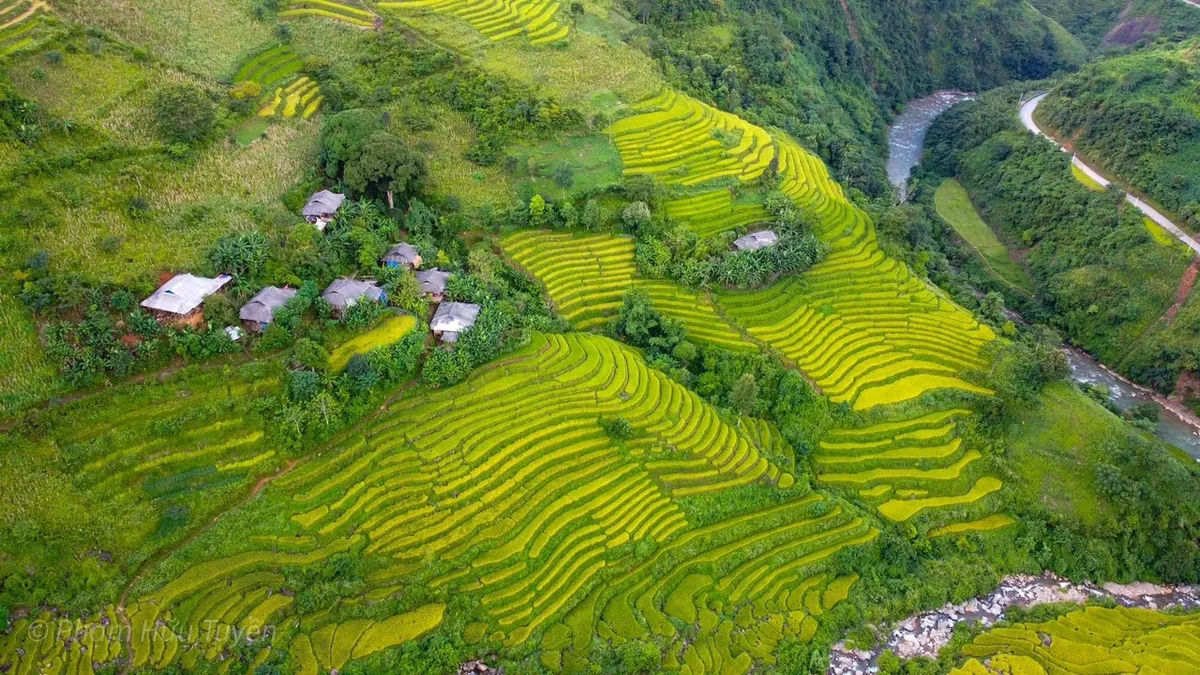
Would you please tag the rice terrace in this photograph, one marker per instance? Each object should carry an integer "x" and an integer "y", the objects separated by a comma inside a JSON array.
[{"x": 548, "y": 336}]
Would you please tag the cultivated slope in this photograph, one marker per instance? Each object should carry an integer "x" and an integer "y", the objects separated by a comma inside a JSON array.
[
  {"x": 859, "y": 324},
  {"x": 506, "y": 489}
]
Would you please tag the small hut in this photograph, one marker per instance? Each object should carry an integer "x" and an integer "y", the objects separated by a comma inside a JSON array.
[
  {"x": 756, "y": 240},
  {"x": 401, "y": 255},
  {"x": 345, "y": 293},
  {"x": 260, "y": 311},
  {"x": 321, "y": 208},
  {"x": 452, "y": 319},
  {"x": 433, "y": 283},
  {"x": 179, "y": 300}
]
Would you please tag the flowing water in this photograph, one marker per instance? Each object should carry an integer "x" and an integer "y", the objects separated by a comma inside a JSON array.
[
  {"x": 1175, "y": 423},
  {"x": 906, "y": 141},
  {"x": 906, "y": 136}
]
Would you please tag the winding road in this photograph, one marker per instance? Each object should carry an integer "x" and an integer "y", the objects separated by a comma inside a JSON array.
[{"x": 1154, "y": 214}]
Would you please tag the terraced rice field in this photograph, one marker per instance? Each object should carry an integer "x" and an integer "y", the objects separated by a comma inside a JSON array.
[
  {"x": 1092, "y": 641},
  {"x": 587, "y": 275},
  {"x": 709, "y": 213},
  {"x": 184, "y": 446},
  {"x": 347, "y": 11},
  {"x": 391, "y": 329},
  {"x": 506, "y": 487},
  {"x": 862, "y": 326},
  {"x": 18, "y": 21},
  {"x": 286, "y": 92},
  {"x": 499, "y": 19},
  {"x": 682, "y": 141},
  {"x": 910, "y": 467},
  {"x": 866, "y": 330}
]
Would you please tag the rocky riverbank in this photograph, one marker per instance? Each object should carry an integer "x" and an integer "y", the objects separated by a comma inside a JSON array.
[{"x": 925, "y": 634}]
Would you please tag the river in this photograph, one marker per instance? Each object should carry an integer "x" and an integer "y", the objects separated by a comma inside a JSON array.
[
  {"x": 906, "y": 142},
  {"x": 906, "y": 136}
]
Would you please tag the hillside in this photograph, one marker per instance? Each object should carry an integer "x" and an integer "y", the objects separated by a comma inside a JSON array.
[
  {"x": 379, "y": 337},
  {"x": 1138, "y": 117},
  {"x": 1102, "y": 278}
]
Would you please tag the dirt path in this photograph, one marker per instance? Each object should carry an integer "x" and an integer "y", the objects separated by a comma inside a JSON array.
[
  {"x": 1186, "y": 284},
  {"x": 850, "y": 20}
]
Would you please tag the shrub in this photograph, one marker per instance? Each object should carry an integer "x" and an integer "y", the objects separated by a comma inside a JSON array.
[
  {"x": 184, "y": 114},
  {"x": 617, "y": 428}
]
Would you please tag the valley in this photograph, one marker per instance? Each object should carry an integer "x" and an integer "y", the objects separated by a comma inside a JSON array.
[{"x": 519, "y": 336}]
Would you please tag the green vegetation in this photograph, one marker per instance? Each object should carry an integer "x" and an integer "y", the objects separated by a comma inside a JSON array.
[
  {"x": 954, "y": 206},
  {"x": 1087, "y": 181},
  {"x": 389, "y": 330},
  {"x": 651, "y": 452},
  {"x": 1115, "y": 639},
  {"x": 1136, "y": 117},
  {"x": 499, "y": 20},
  {"x": 1100, "y": 277}
]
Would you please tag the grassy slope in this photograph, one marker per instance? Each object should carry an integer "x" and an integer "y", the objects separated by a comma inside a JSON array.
[
  {"x": 25, "y": 375},
  {"x": 1053, "y": 445},
  {"x": 954, "y": 206},
  {"x": 205, "y": 38}
]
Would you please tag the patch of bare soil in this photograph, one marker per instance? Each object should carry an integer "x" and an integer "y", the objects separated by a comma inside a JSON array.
[
  {"x": 1131, "y": 31},
  {"x": 1186, "y": 284}
]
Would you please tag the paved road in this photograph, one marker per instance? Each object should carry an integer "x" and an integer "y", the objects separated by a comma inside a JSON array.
[{"x": 1154, "y": 214}]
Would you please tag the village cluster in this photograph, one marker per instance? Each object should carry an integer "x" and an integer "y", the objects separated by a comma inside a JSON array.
[{"x": 180, "y": 300}]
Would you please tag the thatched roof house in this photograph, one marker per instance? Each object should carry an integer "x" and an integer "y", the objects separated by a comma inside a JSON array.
[
  {"x": 321, "y": 207},
  {"x": 182, "y": 296},
  {"x": 260, "y": 311},
  {"x": 433, "y": 283},
  {"x": 401, "y": 255},
  {"x": 756, "y": 240},
  {"x": 453, "y": 318},
  {"x": 343, "y": 294}
]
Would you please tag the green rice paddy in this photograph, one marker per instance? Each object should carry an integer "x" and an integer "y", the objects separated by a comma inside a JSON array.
[
  {"x": 587, "y": 275},
  {"x": 389, "y": 330},
  {"x": 954, "y": 206},
  {"x": 537, "y": 20},
  {"x": 507, "y": 489},
  {"x": 1091, "y": 641}
]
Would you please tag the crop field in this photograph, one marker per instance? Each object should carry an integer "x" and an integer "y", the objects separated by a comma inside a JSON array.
[
  {"x": 392, "y": 328},
  {"x": 865, "y": 329},
  {"x": 286, "y": 91},
  {"x": 586, "y": 276},
  {"x": 25, "y": 374},
  {"x": 954, "y": 206},
  {"x": 709, "y": 213},
  {"x": 507, "y": 487},
  {"x": 682, "y": 141},
  {"x": 347, "y": 11},
  {"x": 18, "y": 23},
  {"x": 1091, "y": 641},
  {"x": 859, "y": 323},
  {"x": 498, "y": 19},
  {"x": 910, "y": 467}
]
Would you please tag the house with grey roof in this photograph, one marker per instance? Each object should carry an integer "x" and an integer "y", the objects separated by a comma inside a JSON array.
[
  {"x": 433, "y": 283},
  {"x": 179, "y": 299},
  {"x": 345, "y": 293},
  {"x": 453, "y": 318},
  {"x": 321, "y": 208},
  {"x": 756, "y": 240},
  {"x": 260, "y": 311},
  {"x": 401, "y": 255}
]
